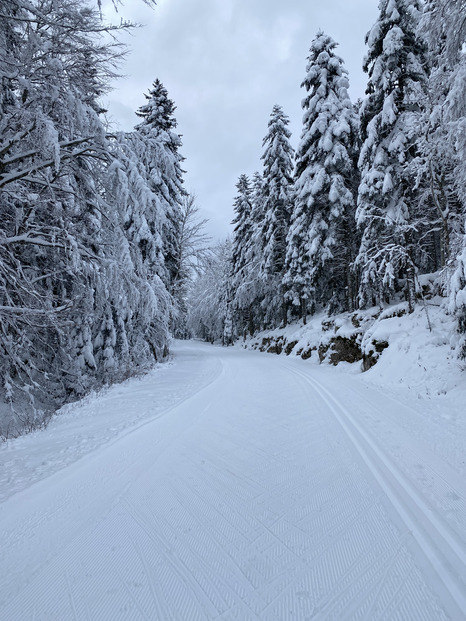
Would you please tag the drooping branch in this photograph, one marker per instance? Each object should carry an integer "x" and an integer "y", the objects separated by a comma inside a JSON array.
[{"x": 91, "y": 150}]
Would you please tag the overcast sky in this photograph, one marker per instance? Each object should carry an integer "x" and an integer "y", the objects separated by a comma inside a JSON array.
[{"x": 225, "y": 63}]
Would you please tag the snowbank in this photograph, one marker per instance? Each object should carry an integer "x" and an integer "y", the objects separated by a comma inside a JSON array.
[{"x": 391, "y": 347}]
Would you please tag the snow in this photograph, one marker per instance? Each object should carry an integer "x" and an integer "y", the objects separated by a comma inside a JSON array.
[{"x": 231, "y": 484}]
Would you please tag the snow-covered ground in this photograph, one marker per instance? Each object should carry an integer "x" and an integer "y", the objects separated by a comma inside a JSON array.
[{"x": 233, "y": 485}]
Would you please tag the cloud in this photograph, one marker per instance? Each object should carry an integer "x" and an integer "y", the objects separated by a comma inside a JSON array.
[{"x": 225, "y": 63}]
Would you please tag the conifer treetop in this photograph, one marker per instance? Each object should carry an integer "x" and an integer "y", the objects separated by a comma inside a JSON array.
[{"x": 158, "y": 112}]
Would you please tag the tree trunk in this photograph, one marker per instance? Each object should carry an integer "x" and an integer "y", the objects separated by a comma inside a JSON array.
[{"x": 411, "y": 288}]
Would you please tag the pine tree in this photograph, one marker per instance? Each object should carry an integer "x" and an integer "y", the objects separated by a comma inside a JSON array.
[
  {"x": 158, "y": 152},
  {"x": 276, "y": 189},
  {"x": 390, "y": 121},
  {"x": 321, "y": 238},
  {"x": 328, "y": 182},
  {"x": 439, "y": 175},
  {"x": 444, "y": 23},
  {"x": 244, "y": 262}
]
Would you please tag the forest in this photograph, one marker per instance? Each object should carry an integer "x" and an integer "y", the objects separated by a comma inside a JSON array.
[
  {"x": 103, "y": 257},
  {"x": 373, "y": 197}
]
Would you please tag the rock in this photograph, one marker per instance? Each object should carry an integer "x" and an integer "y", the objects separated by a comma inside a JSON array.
[
  {"x": 277, "y": 347},
  {"x": 328, "y": 325},
  {"x": 290, "y": 346},
  {"x": 345, "y": 350},
  {"x": 306, "y": 354},
  {"x": 370, "y": 359},
  {"x": 323, "y": 349}
]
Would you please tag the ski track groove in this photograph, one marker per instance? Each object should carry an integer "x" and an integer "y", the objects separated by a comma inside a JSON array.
[
  {"x": 439, "y": 560},
  {"x": 70, "y": 596},
  {"x": 248, "y": 526},
  {"x": 459, "y": 498}
]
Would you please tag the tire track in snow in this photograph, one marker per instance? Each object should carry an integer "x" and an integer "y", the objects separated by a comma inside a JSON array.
[{"x": 437, "y": 543}]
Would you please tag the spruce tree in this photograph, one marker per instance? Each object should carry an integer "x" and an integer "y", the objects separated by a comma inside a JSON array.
[
  {"x": 321, "y": 238},
  {"x": 441, "y": 168},
  {"x": 390, "y": 124},
  {"x": 148, "y": 304},
  {"x": 244, "y": 268},
  {"x": 276, "y": 189},
  {"x": 158, "y": 152},
  {"x": 444, "y": 25}
]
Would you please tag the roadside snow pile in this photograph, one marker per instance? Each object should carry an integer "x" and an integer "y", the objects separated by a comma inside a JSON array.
[{"x": 394, "y": 347}]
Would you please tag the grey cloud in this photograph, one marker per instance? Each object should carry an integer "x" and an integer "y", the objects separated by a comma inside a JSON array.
[{"x": 225, "y": 64}]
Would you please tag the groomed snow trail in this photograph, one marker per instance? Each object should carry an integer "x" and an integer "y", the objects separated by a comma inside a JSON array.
[{"x": 271, "y": 492}]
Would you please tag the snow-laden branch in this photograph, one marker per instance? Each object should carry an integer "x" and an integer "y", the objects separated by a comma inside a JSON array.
[
  {"x": 27, "y": 239},
  {"x": 91, "y": 150},
  {"x": 16, "y": 310}
]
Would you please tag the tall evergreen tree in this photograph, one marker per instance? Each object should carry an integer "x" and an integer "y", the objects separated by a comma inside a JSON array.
[
  {"x": 444, "y": 23},
  {"x": 244, "y": 262},
  {"x": 277, "y": 185},
  {"x": 390, "y": 121},
  {"x": 321, "y": 238},
  {"x": 158, "y": 152},
  {"x": 140, "y": 246},
  {"x": 277, "y": 175},
  {"x": 440, "y": 176}
]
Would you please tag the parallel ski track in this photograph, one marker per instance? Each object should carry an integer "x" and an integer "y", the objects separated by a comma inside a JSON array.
[{"x": 436, "y": 541}]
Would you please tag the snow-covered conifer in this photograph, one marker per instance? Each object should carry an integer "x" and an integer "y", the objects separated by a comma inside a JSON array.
[
  {"x": 278, "y": 169},
  {"x": 276, "y": 190},
  {"x": 444, "y": 147},
  {"x": 140, "y": 250},
  {"x": 158, "y": 152},
  {"x": 390, "y": 123},
  {"x": 244, "y": 261},
  {"x": 321, "y": 236}
]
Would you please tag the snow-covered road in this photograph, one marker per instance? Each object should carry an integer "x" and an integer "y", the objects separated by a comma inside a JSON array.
[{"x": 254, "y": 487}]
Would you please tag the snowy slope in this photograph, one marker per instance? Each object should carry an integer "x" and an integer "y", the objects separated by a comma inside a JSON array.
[
  {"x": 421, "y": 361},
  {"x": 235, "y": 485}
]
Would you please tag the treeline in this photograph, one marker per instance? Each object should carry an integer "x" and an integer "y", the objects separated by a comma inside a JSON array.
[
  {"x": 374, "y": 195},
  {"x": 92, "y": 264}
]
